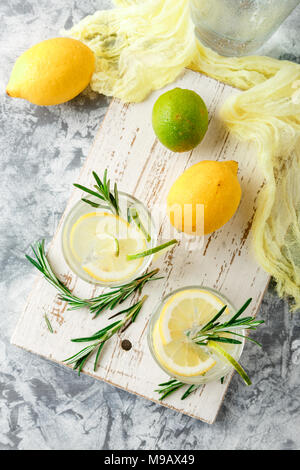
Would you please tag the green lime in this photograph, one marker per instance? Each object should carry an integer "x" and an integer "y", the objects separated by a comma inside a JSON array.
[
  {"x": 180, "y": 119},
  {"x": 227, "y": 357}
]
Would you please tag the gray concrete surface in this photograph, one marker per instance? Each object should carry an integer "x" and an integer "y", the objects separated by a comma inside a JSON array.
[{"x": 45, "y": 406}]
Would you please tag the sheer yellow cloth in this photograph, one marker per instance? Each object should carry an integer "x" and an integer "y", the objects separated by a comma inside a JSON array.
[{"x": 142, "y": 45}]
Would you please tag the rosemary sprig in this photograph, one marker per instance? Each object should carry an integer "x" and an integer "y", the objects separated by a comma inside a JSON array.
[
  {"x": 212, "y": 331},
  {"x": 172, "y": 385},
  {"x": 100, "y": 338},
  {"x": 96, "y": 305},
  {"x": 118, "y": 295},
  {"x": 102, "y": 192},
  {"x": 42, "y": 264}
]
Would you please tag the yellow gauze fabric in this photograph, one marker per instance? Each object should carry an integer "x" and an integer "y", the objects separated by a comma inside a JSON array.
[
  {"x": 142, "y": 45},
  {"x": 136, "y": 51}
]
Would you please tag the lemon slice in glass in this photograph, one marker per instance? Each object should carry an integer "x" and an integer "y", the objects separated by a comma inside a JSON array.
[
  {"x": 184, "y": 312},
  {"x": 100, "y": 242},
  {"x": 182, "y": 357}
]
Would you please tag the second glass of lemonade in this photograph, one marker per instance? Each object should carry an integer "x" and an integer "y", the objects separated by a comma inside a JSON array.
[
  {"x": 96, "y": 242},
  {"x": 174, "y": 324}
]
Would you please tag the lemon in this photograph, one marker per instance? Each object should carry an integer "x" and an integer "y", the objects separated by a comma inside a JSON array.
[
  {"x": 184, "y": 312},
  {"x": 100, "y": 243},
  {"x": 180, "y": 119},
  {"x": 52, "y": 72},
  {"x": 105, "y": 236},
  {"x": 210, "y": 185}
]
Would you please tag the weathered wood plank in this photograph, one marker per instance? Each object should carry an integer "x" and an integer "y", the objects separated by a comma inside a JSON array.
[{"x": 126, "y": 146}]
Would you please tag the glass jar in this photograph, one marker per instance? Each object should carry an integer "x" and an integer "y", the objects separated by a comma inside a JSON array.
[
  {"x": 82, "y": 208},
  {"x": 221, "y": 368},
  {"x": 238, "y": 27}
]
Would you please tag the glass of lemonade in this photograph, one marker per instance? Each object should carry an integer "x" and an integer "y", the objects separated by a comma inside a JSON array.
[
  {"x": 175, "y": 322},
  {"x": 238, "y": 27},
  {"x": 96, "y": 242}
]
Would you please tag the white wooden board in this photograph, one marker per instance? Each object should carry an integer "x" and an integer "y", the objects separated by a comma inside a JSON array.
[{"x": 127, "y": 147}]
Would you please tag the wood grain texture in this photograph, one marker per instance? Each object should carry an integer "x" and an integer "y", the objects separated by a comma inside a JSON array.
[{"x": 127, "y": 147}]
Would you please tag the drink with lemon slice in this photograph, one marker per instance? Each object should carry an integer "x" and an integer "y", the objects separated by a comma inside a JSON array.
[
  {"x": 96, "y": 242},
  {"x": 174, "y": 331}
]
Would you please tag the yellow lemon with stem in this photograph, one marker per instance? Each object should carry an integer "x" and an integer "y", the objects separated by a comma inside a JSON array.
[
  {"x": 52, "y": 72},
  {"x": 209, "y": 190}
]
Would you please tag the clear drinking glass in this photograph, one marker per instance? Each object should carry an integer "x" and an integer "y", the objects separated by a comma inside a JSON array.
[
  {"x": 80, "y": 209},
  {"x": 238, "y": 27},
  {"x": 221, "y": 368}
]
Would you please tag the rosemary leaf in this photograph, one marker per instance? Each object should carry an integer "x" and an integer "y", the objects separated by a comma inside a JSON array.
[
  {"x": 167, "y": 383},
  {"x": 98, "y": 355},
  {"x": 89, "y": 191},
  {"x": 241, "y": 310},
  {"x": 132, "y": 215},
  {"x": 91, "y": 203},
  {"x": 213, "y": 320},
  {"x": 190, "y": 390},
  {"x": 49, "y": 326}
]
